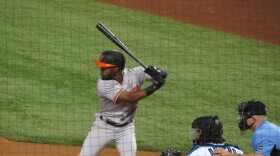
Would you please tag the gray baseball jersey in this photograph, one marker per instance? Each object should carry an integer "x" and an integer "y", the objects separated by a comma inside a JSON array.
[{"x": 109, "y": 90}]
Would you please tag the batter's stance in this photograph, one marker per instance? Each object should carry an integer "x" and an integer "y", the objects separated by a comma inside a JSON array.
[{"x": 119, "y": 92}]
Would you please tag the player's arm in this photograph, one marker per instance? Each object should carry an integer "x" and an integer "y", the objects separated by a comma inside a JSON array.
[
  {"x": 158, "y": 80},
  {"x": 126, "y": 96}
]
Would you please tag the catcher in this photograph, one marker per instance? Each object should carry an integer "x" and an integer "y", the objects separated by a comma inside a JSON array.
[{"x": 207, "y": 136}]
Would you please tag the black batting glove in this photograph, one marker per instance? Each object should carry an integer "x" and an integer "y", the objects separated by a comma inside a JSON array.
[
  {"x": 155, "y": 86},
  {"x": 156, "y": 72},
  {"x": 162, "y": 72},
  {"x": 159, "y": 82},
  {"x": 150, "y": 70},
  {"x": 158, "y": 76}
]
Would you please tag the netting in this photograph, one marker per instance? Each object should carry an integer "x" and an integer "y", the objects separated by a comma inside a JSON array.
[{"x": 217, "y": 54}]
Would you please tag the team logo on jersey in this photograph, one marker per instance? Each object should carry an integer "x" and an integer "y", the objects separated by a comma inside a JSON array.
[{"x": 259, "y": 148}]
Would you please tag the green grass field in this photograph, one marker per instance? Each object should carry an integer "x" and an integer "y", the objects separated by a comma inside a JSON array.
[{"x": 48, "y": 81}]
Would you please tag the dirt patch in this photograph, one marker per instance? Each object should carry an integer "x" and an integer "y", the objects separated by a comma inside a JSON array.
[
  {"x": 254, "y": 19},
  {"x": 12, "y": 148}
]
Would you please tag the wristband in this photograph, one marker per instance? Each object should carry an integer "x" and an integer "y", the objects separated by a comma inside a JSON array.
[{"x": 149, "y": 90}]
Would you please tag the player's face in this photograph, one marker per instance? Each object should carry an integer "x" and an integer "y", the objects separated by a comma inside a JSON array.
[
  {"x": 194, "y": 135},
  {"x": 245, "y": 123},
  {"x": 250, "y": 121},
  {"x": 107, "y": 73}
]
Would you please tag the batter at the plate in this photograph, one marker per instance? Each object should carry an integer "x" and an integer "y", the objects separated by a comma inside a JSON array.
[{"x": 119, "y": 92}]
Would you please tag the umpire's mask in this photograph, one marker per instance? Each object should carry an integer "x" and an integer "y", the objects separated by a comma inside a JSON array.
[{"x": 246, "y": 110}]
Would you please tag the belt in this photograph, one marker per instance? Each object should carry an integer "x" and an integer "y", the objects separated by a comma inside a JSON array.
[{"x": 113, "y": 123}]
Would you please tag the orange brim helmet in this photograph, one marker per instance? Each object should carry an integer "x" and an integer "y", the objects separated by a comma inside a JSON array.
[
  {"x": 111, "y": 58},
  {"x": 103, "y": 65}
]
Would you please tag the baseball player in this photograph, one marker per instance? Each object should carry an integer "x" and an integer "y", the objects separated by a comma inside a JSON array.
[
  {"x": 266, "y": 135},
  {"x": 119, "y": 92},
  {"x": 207, "y": 136}
]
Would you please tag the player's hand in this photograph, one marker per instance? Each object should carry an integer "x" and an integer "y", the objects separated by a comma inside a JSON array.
[
  {"x": 221, "y": 152},
  {"x": 159, "y": 82},
  {"x": 156, "y": 73},
  {"x": 155, "y": 86},
  {"x": 158, "y": 79},
  {"x": 151, "y": 70},
  {"x": 158, "y": 76},
  {"x": 162, "y": 72}
]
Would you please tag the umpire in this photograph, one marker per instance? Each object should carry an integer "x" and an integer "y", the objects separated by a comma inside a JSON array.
[{"x": 266, "y": 135}]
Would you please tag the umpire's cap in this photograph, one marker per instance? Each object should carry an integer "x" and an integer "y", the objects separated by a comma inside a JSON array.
[
  {"x": 250, "y": 108},
  {"x": 111, "y": 58}
]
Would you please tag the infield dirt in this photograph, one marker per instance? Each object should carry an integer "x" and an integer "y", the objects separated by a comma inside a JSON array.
[{"x": 253, "y": 19}]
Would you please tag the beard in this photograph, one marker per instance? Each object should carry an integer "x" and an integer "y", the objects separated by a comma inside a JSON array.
[{"x": 108, "y": 77}]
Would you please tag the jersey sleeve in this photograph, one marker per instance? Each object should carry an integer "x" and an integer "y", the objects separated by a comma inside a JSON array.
[
  {"x": 142, "y": 75},
  {"x": 262, "y": 145},
  {"x": 262, "y": 141},
  {"x": 109, "y": 89}
]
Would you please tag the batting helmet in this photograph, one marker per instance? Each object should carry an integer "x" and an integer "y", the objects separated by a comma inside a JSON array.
[
  {"x": 111, "y": 58},
  {"x": 211, "y": 129},
  {"x": 246, "y": 110}
]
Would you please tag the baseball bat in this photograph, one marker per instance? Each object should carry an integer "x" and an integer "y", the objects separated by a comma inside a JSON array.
[{"x": 115, "y": 40}]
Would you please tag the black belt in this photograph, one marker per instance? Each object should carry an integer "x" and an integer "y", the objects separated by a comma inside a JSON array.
[{"x": 113, "y": 123}]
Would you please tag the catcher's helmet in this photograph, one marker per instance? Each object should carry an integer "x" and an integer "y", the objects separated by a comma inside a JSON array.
[
  {"x": 211, "y": 129},
  {"x": 246, "y": 110},
  {"x": 111, "y": 58}
]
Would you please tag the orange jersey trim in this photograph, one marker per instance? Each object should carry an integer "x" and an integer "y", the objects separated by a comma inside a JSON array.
[{"x": 118, "y": 94}]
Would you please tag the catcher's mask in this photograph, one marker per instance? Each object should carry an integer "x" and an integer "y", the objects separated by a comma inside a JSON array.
[
  {"x": 111, "y": 58},
  {"x": 208, "y": 129},
  {"x": 246, "y": 110}
]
